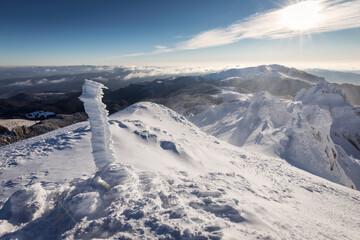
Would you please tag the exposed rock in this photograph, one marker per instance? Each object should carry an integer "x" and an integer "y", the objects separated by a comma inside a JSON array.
[{"x": 3, "y": 129}]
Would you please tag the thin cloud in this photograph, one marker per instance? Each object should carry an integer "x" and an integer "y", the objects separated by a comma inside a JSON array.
[
  {"x": 159, "y": 49},
  {"x": 21, "y": 84},
  {"x": 42, "y": 81},
  {"x": 329, "y": 15},
  {"x": 102, "y": 79},
  {"x": 61, "y": 80},
  {"x": 153, "y": 71}
]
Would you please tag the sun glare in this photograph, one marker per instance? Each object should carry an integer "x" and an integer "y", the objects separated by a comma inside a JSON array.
[{"x": 301, "y": 16}]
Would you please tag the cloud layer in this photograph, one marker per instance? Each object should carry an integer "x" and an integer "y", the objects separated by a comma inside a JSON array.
[{"x": 153, "y": 71}]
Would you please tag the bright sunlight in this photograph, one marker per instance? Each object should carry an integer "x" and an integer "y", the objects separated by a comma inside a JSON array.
[{"x": 301, "y": 16}]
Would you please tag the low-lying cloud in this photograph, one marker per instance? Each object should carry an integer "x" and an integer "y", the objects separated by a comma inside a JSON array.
[
  {"x": 30, "y": 82},
  {"x": 153, "y": 71},
  {"x": 21, "y": 83}
]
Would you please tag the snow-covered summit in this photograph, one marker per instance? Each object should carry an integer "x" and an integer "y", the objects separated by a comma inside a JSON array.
[
  {"x": 265, "y": 71},
  {"x": 276, "y": 79},
  {"x": 170, "y": 180}
]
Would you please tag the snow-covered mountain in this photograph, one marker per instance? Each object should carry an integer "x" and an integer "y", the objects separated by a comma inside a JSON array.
[
  {"x": 336, "y": 76},
  {"x": 348, "y": 82},
  {"x": 165, "y": 178},
  {"x": 265, "y": 71},
  {"x": 170, "y": 180},
  {"x": 275, "y": 79},
  {"x": 317, "y": 132}
]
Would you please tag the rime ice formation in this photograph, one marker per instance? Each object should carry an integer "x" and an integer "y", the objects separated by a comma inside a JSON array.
[{"x": 98, "y": 117}]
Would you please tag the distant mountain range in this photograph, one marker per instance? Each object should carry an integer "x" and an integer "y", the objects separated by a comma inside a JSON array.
[
  {"x": 336, "y": 76},
  {"x": 60, "y": 93}
]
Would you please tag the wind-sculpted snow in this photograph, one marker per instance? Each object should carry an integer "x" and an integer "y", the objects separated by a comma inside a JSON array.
[
  {"x": 96, "y": 110},
  {"x": 324, "y": 95},
  {"x": 207, "y": 190},
  {"x": 345, "y": 127},
  {"x": 345, "y": 117},
  {"x": 300, "y": 132}
]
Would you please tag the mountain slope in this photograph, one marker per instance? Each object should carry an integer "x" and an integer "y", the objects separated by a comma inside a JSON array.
[
  {"x": 170, "y": 180},
  {"x": 276, "y": 79},
  {"x": 336, "y": 76},
  {"x": 310, "y": 134},
  {"x": 348, "y": 82},
  {"x": 183, "y": 94},
  {"x": 351, "y": 92}
]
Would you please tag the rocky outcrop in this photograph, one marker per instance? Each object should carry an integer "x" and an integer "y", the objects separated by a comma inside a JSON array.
[
  {"x": 3, "y": 129},
  {"x": 20, "y": 131}
]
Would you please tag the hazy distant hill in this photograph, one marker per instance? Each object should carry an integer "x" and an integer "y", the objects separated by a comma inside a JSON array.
[
  {"x": 336, "y": 76},
  {"x": 58, "y": 102}
]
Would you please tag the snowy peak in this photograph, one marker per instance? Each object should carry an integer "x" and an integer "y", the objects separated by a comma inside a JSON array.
[
  {"x": 265, "y": 71},
  {"x": 154, "y": 112},
  {"x": 322, "y": 94},
  {"x": 165, "y": 137},
  {"x": 345, "y": 117},
  {"x": 276, "y": 79}
]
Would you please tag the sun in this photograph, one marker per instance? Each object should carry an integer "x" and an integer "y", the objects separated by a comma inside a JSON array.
[{"x": 301, "y": 16}]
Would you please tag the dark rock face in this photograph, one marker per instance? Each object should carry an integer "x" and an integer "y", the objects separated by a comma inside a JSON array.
[
  {"x": 59, "y": 103},
  {"x": 3, "y": 129}
]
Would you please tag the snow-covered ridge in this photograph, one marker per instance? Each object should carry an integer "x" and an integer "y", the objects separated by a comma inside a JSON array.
[
  {"x": 311, "y": 132},
  {"x": 265, "y": 71},
  {"x": 324, "y": 95}
]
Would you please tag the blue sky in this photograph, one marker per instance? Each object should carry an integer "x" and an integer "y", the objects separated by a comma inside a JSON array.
[{"x": 160, "y": 32}]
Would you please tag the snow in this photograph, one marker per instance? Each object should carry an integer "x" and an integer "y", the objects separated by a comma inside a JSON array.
[
  {"x": 39, "y": 114},
  {"x": 171, "y": 180},
  {"x": 264, "y": 72},
  {"x": 324, "y": 95},
  {"x": 229, "y": 94},
  {"x": 302, "y": 133}
]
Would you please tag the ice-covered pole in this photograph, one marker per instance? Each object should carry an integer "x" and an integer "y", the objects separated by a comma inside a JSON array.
[{"x": 92, "y": 93}]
